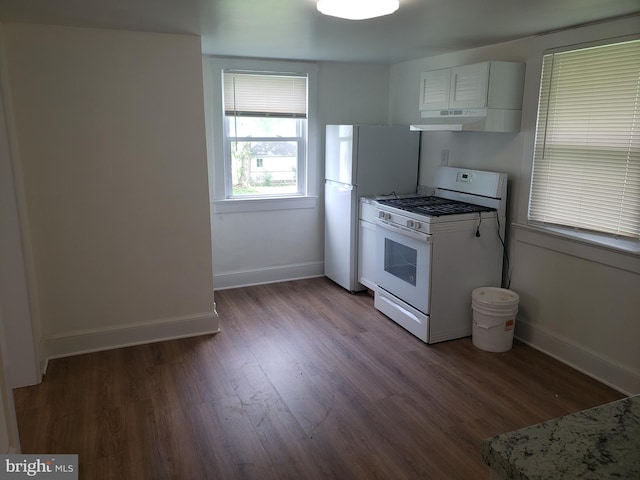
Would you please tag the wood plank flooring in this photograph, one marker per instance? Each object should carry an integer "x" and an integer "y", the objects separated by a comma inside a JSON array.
[{"x": 305, "y": 381}]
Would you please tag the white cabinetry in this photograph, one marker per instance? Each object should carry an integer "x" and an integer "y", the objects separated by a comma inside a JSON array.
[
  {"x": 434, "y": 89},
  {"x": 479, "y": 85},
  {"x": 481, "y": 96},
  {"x": 469, "y": 86}
]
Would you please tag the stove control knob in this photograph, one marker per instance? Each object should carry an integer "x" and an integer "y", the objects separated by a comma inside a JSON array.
[
  {"x": 387, "y": 216},
  {"x": 380, "y": 214},
  {"x": 410, "y": 223},
  {"x": 417, "y": 225}
]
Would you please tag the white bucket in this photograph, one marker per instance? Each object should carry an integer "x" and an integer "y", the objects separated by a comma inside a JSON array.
[{"x": 494, "y": 317}]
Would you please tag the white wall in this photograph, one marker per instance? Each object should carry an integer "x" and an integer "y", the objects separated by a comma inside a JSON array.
[
  {"x": 9, "y": 435},
  {"x": 21, "y": 363},
  {"x": 577, "y": 302},
  {"x": 353, "y": 93},
  {"x": 110, "y": 142},
  {"x": 275, "y": 245}
]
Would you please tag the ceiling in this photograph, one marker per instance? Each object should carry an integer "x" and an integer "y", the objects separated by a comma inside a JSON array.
[{"x": 293, "y": 29}]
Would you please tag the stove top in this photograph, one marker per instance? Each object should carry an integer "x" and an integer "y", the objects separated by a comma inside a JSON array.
[{"x": 434, "y": 206}]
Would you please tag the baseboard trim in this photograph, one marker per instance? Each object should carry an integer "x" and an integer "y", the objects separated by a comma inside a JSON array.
[
  {"x": 246, "y": 278},
  {"x": 579, "y": 357},
  {"x": 86, "y": 341}
]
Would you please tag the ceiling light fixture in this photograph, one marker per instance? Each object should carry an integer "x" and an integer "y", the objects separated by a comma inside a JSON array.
[{"x": 357, "y": 9}]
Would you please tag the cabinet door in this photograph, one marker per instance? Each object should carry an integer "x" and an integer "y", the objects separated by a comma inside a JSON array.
[
  {"x": 434, "y": 89},
  {"x": 469, "y": 85}
]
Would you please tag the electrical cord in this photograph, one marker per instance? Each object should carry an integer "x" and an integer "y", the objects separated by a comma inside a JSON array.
[
  {"x": 506, "y": 254},
  {"x": 504, "y": 247}
]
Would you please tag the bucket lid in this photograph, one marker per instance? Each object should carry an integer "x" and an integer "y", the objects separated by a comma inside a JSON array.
[{"x": 494, "y": 295}]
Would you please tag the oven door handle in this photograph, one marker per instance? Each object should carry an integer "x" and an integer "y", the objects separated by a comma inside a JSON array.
[{"x": 420, "y": 236}]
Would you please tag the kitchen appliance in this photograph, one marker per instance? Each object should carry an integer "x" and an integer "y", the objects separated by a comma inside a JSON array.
[
  {"x": 361, "y": 161},
  {"x": 431, "y": 252},
  {"x": 367, "y": 242}
]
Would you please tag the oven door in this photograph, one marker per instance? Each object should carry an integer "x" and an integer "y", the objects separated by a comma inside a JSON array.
[{"x": 403, "y": 264}]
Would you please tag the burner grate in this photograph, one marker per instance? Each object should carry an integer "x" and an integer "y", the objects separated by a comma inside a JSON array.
[{"x": 434, "y": 206}]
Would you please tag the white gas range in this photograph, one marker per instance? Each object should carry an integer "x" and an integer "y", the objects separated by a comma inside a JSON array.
[{"x": 431, "y": 252}]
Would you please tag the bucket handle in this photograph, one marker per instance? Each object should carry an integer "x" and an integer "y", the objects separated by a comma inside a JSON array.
[{"x": 486, "y": 327}]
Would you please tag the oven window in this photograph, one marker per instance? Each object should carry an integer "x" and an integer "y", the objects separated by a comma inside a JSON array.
[{"x": 400, "y": 261}]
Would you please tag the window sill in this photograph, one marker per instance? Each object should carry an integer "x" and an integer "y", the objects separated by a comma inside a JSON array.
[
  {"x": 241, "y": 205},
  {"x": 619, "y": 253}
]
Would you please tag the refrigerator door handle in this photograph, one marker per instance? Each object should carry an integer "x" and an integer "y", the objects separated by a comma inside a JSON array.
[{"x": 338, "y": 185}]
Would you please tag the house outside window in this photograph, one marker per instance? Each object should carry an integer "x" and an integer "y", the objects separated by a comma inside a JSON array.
[
  {"x": 586, "y": 167},
  {"x": 265, "y": 134}
]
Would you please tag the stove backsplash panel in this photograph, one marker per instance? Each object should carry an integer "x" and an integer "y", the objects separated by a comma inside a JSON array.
[{"x": 425, "y": 190}]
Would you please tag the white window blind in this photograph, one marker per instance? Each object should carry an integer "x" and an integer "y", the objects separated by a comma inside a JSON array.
[
  {"x": 253, "y": 94},
  {"x": 586, "y": 167}
]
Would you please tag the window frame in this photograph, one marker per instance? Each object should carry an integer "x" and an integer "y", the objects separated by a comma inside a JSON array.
[
  {"x": 213, "y": 68},
  {"x": 301, "y": 161},
  {"x": 563, "y": 234}
]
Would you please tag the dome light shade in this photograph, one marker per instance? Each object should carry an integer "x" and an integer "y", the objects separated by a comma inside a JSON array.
[{"x": 357, "y": 9}]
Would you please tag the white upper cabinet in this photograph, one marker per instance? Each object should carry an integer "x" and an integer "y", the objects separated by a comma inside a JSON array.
[
  {"x": 434, "y": 89},
  {"x": 479, "y": 85},
  {"x": 469, "y": 86}
]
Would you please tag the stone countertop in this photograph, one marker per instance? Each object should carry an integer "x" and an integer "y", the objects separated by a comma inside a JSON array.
[{"x": 599, "y": 443}]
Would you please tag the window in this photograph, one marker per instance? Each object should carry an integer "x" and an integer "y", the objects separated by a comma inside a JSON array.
[
  {"x": 586, "y": 166},
  {"x": 265, "y": 134}
]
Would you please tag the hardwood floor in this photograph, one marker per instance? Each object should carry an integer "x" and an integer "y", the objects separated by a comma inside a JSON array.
[{"x": 305, "y": 381}]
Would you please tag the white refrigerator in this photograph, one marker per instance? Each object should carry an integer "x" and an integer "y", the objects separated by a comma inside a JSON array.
[{"x": 361, "y": 160}]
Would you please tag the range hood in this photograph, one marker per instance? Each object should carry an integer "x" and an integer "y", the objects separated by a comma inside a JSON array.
[{"x": 470, "y": 119}]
